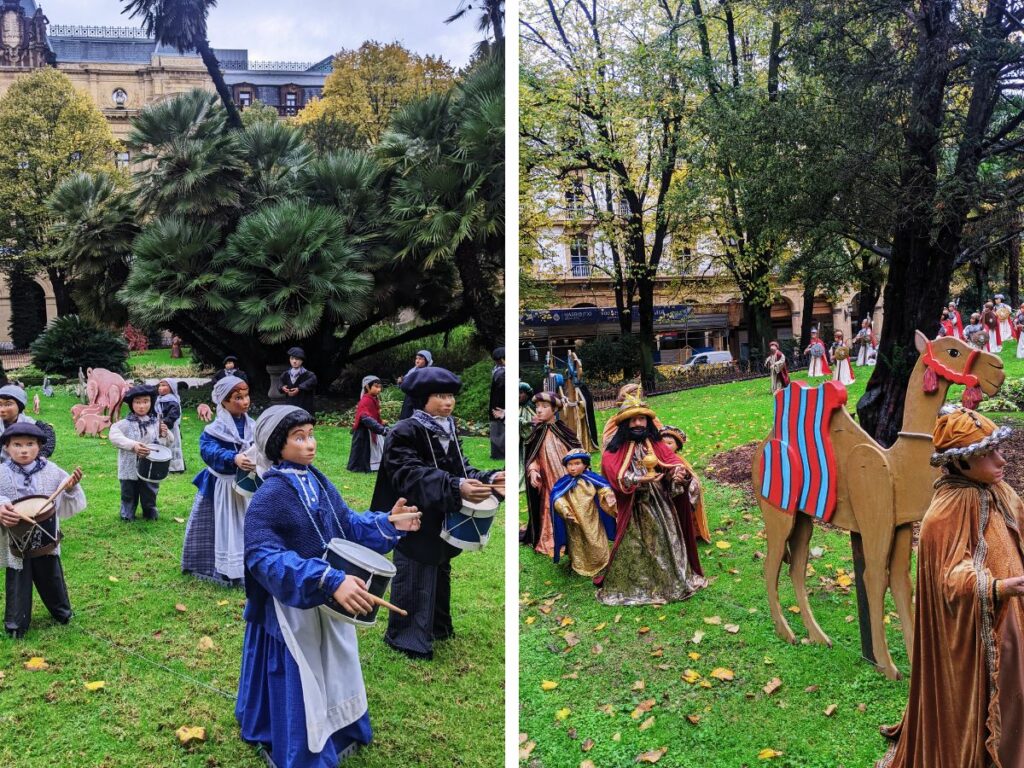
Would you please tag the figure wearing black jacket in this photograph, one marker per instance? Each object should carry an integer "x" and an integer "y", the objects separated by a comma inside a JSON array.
[{"x": 305, "y": 382}]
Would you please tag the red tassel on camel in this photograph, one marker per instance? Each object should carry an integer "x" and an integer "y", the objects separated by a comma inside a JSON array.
[
  {"x": 931, "y": 381},
  {"x": 972, "y": 396}
]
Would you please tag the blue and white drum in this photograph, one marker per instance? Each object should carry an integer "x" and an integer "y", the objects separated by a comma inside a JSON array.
[
  {"x": 356, "y": 560},
  {"x": 470, "y": 527},
  {"x": 246, "y": 483},
  {"x": 156, "y": 466}
]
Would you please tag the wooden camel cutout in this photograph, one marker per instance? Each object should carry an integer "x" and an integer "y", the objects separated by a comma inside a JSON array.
[{"x": 878, "y": 492}]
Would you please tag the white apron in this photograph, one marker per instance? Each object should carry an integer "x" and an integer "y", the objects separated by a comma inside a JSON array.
[
  {"x": 327, "y": 654},
  {"x": 228, "y": 527}
]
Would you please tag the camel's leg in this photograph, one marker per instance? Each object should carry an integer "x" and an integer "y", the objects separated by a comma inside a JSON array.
[
  {"x": 900, "y": 583},
  {"x": 777, "y": 527},
  {"x": 869, "y": 481},
  {"x": 799, "y": 550}
]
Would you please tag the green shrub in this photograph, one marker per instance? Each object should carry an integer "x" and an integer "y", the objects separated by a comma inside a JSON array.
[
  {"x": 456, "y": 351},
  {"x": 31, "y": 376},
  {"x": 70, "y": 343},
  {"x": 604, "y": 357},
  {"x": 1013, "y": 390},
  {"x": 471, "y": 404},
  {"x": 997, "y": 405}
]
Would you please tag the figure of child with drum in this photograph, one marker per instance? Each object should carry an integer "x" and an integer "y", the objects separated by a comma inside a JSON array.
[
  {"x": 31, "y": 553},
  {"x": 301, "y": 694},
  {"x": 13, "y": 401},
  {"x": 135, "y": 438},
  {"x": 424, "y": 463},
  {"x": 214, "y": 547}
]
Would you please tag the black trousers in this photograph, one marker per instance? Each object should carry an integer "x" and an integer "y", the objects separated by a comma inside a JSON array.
[
  {"x": 136, "y": 492},
  {"x": 425, "y": 591},
  {"x": 47, "y": 574}
]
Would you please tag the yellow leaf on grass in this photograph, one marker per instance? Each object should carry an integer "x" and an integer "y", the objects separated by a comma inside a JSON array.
[
  {"x": 723, "y": 544},
  {"x": 693, "y": 718},
  {"x": 95, "y": 685},
  {"x": 222, "y": 602},
  {"x": 830, "y": 710},
  {"x": 642, "y": 708},
  {"x": 773, "y": 685},
  {"x": 601, "y": 626},
  {"x": 794, "y": 609},
  {"x": 732, "y": 629},
  {"x": 563, "y": 713},
  {"x": 643, "y": 630},
  {"x": 768, "y": 753},
  {"x": 647, "y": 723},
  {"x": 587, "y": 745},
  {"x": 188, "y": 735},
  {"x": 530, "y": 620},
  {"x": 844, "y": 581},
  {"x": 180, "y": 607},
  {"x": 691, "y": 676},
  {"x": 652, "y": 756},
  {"x": 526, "y": 749},
  {"x": 548, "y": 685},
  {"x": 36, "y": 664},
  {"x": 697, "y": 637},
  {"x": 113, "y": 579},
  {"x": 715, "y": 620},
  {"x": 205, "y": 643},
  {"x": 566, "y": 622},
  {"x": 587, "y": 764},
  {"x": 722, "y": 673},
  {"x": 179, "y": 519},
  {"x": 693, "y": 655},
  {"x": 658, "y": 653},
  {"x": 638, "y": 685}
]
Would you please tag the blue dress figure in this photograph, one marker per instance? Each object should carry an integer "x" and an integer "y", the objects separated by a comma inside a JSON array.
[{"x": 301, "y": 695}]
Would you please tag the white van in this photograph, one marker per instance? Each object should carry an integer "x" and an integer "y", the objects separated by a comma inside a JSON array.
[{"x": 720, "y": 357}]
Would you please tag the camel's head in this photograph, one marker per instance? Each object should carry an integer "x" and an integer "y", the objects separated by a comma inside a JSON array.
[{"x": 958, "y": 362}]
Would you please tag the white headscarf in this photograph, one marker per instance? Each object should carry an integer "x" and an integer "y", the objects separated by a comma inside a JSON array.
[{"x": 223, "y": 427}]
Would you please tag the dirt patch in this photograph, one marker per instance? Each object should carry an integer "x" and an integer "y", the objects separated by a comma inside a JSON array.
[
  {"x": 733, "y": 467},
  {"x": 1013, "y": 451}
]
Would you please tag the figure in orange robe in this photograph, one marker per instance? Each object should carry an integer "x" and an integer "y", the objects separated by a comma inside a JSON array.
[{"x": 966, "y": 707}]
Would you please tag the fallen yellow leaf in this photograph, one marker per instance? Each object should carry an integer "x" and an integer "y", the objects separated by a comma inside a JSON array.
[
  {"x": 767, "y": 754},
  {"x": 548, "y": 685},
  {"x": 188, "y": 734},
  {"x": 642, "y": 708},
  {"x": 732, "y": 629},
  {"x": 693, "y": 655},
  {"x": 95, "y": 685},
  {"x": 722, "y": 673},
  {"x": 36, "y": 664},
  {"x": 529, "y": 620},
  {"x": 773, "y": 685},
  {"x": 647, "y": 723},
  {"x": 691, "y": 676},
  {"x": 638, "y": 685},
  {"x": 693, "y": 718},
  {"x": 563, "y": 713},
  {"x": 652, "y": 756},
  {"x": 222, "y": 602},
  {"x": 113, "y": 579},
  {"x": 723, "y": 544},
  {"x": 794, "y": 609},
  {"x": 601, "y": 626},
  {"x": 830, "y": 710},
  {"x": 526, "y": 749},
  {"x": 844, "y": 581},
  {"x": 566, "y": 622},
  {"x": 205, "y": 643}
]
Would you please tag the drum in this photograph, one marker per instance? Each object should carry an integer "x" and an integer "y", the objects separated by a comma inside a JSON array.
[
  {"x": 156, "y": 466},
  {"x": 246, "y": 483},
  {"x": 356, "y": 560},
  {"x": 35, "y": 540},
  {"x": 469, "y": 528}
]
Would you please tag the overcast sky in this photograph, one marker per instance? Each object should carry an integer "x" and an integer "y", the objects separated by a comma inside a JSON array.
[{"x": 307, "y": 30}]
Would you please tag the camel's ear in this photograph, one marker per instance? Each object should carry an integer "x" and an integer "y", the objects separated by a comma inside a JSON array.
[{"x": 920, "y": 341}]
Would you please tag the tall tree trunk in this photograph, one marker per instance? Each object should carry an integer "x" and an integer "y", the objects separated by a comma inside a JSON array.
[
  {"x": 213, "y": 68},
  {"x": 1013, "y": 272},
  {"x": 807, "y": 314},
  {"x": 870, "y": 290},
  {"x": 645, "y": 296},
  {"x": 61, "y": 293},
  {"x": 758, "y": 319}
]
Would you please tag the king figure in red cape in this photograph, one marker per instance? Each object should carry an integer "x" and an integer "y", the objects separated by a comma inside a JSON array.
[{"x": 654, "y": 558}]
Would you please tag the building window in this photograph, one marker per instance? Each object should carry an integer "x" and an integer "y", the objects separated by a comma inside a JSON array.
[
  {"x": 291, "y": 101},
  {"x": 575, "y": 200},
  {"x": 244, "y": 99},
  {"x": 623, "y": 206},
  {"x": 123, "y": 159},
  {"x": 579, "y": 258}
]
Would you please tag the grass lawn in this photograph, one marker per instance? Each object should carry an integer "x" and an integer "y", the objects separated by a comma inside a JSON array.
[
  {"x": 619, "y": 671},
  {"x": 125, "y": 582},
  {"x": 160, "y": 356}
]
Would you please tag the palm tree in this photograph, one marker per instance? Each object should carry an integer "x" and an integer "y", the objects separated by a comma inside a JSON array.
[
  {"x": 492, "y": 20},
  {"x": 447, "y": 189},
  {"x": 189, "y": 165},
  {"x": 92, "y": 231},
  {"x": 182, "y": 24}
]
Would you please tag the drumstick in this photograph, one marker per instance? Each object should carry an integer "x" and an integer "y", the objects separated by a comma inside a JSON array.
[
  {"x": 385, "y": 604},
  {"x": 60, "y": 489},
  {"x": 404, "y": 516}
]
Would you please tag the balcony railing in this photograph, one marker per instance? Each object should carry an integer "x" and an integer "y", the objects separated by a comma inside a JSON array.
[{"x": 581, "y": 270}]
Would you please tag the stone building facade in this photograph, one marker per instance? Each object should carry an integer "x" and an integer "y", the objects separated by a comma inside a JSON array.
[{"x": 123, "y": 71}]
